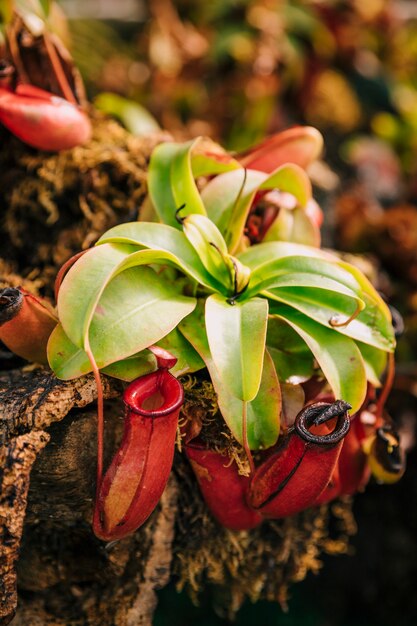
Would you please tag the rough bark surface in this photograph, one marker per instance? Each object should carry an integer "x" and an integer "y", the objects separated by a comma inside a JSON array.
[
  {"x": 65, "y": 575},
  {"x": 16, "y": 461},
  {"x": 34, "y": 400}
]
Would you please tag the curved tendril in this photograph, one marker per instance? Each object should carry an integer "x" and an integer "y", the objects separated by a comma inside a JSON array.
[
  {"x": 100, "y": 415},
  {"x": 177, "y": 216},
  {"x": 64, "y": 269},
  {"x": 319, "y": 413},
  {"x": 334, "y": 323},
  {"x": 386, "y": 389}
]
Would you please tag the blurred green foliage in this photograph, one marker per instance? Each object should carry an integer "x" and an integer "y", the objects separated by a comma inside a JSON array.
[{"x": 237, "y": 69}]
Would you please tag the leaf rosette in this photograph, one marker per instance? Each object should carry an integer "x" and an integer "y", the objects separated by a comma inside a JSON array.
[{"x": 192, "y": 280}]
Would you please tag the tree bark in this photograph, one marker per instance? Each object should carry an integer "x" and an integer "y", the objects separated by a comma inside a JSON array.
[
  {"x": 61, "y": 563},
  {"x": 16, "y": 460}
]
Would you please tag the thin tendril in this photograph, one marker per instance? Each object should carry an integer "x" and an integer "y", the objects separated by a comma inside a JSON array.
[
  {"x": 335, "y": 324},
  {"x": 245, "y": 437},
  {"x": 100, "y": 414},
  {"x": 389, "y": 381}
]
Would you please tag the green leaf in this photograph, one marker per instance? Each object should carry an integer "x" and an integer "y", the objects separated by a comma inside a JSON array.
[
  {"x": 184, "y": 188},
  {"x": 323, "y": 305},
  {"x": 65, "y": 359},
  {"x": 69, "y": 362},
  {"x": 376, "y": 314},
  {"x": 373, "y": 324},
  {"x": 172, "y": 169},
  {"x": 159, "y": 183},
  {"x": 272, "y": 251},
  {"x": 139, "y": 364},
  {"x": 162, "y": 239},
  {"x": 291, "y": 366},
  {"x": 263, "y": 413},
  {"x": 292, "y": 179},
  {"x": 236, "y": 335},
  {"x": 131, "y": 368},
  {"x": 375, "y": 362},
  {"x": 278, "y": 270},
  {"x": 211, "y": 248},
  {"x": 228, "y": 197},
  {"x": 367, "y": 287},
  {"x": 188, "y": 358},
  {"x": 115, "y": 310},
  {"x": 83, "y": 286},
  {"x": 291, "y": 355},
  {"x": 133, "y": 116},
  {"x": 338, "y": 356},
  {"x": 136, "y": 310},
  {"x": 171, "y": 181},
  {"x": 291, "y": 278}
]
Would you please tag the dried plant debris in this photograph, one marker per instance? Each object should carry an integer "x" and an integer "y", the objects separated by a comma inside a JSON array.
[{"x": 57, "y": 204}]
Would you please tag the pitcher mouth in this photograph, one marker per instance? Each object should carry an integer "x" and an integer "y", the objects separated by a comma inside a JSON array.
[
  {"x": 11, "y": 301},
  {"x": 388, "y": 450},
  {"x": 161, "y": 385},
  {"x": 321, "y": 413}
]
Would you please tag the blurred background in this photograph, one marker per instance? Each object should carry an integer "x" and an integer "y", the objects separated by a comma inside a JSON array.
[{"x": 238, "y": 70}]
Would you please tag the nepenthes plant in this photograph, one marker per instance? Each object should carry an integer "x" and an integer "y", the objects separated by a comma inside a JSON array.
[{"x": 226, "y": 282}]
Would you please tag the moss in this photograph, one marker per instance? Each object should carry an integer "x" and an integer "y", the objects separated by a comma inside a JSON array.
[
  {"x": 200, "y": 408},
  {"x": 257, "y": 564},
  {"x": 56, "y": 204}
]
